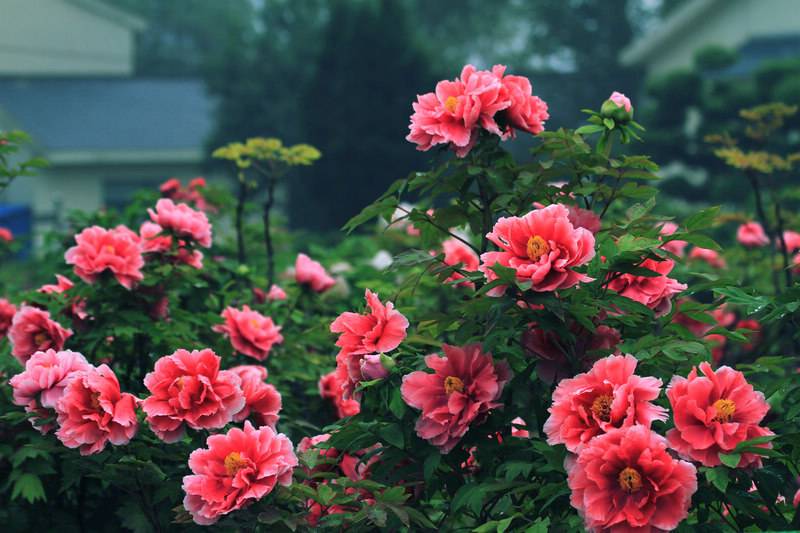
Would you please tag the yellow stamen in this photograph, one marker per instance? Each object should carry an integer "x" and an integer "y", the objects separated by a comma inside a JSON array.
[
  {"x": 95, "y": 400},
  {"x": 234, "y": 462},
  {"x": 453, "y": 384},
  {"x": 630, "y": 480},
  {"x": 40, "y": 338},
  {"x": 109, "y": 249},
  {"x": 601, "y": 407},
  {"x": 537, "y": 247},
  {"x": 725, "y": 410},
  {"x": 451, "y": 103}
]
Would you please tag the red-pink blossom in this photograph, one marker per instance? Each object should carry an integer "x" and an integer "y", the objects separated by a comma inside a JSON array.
[
  {"x": 276, "y": 293},
  {"x": 752, "y": 235},
  {"x": 77, "y": 307},
  {"x": 713, "y": 412},
  {"x": 754, "y": 336},
  {"x": 331, "y": 387},
  {"x": 170, "y": 187},
  {"x": 183, "y": 221},
  {"x": 517, "y": 429},
  {"x": 250, "y": 332},
  {"x": 609, "y": 396},
  {"x": 189, "y": 389},
  {"x": 627, "y": 481},
  {"x": 527, "y": 112},
  {"x": 654, "y": 292},
  {"x": 712, "y": 257},
  {"x": 621, "y": 100},
  {"x": 7, "y": 312},
  {"x": 465, "y": 386},
  {"x": 584, "y": 218},
  {"x": 235, "y": 470},
  {"x": 311, "y": 273},
  {"x": 98, "y": 249},
  {"x": 93, "y": 411},
  {"x": 262, "y": 400},
  {"x": 32, "y": 330},
  {"x": 6, "y": 235},
  {"x": 717, "y": 341},
  {"x": 456, "y": 252},
  {"x": 792, "y": 240},
  {"x": 676, "y": 247},
  {"x": 543, "y": 247}
]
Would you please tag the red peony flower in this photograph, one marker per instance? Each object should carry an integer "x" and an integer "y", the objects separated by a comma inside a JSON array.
[
  {"x": 250, "y": 332},
  {"x": 311, "y": 273},
  {"x": 236, "y": 469},
  {"x": 170, "y": 188},
  {"x": 7, "y": 312},
  {"x": 713, "y": 413},
  {"x": 6, "y": 235},
  {"x": 183, "y": 221},
  {"x": 709, "y": 256},
  {"x": 517, "y": 429},
  {"x": 609, "y": 396},
  {"x": 676, "y": 247},
  {"x": 32, "y": 330},
  {"x": 717, "y": 342},
  {"x": 654, "y": 292},
  {"x": 275, "y": 293},
  {"x": 465, "y": 386},
  {"x": 42, "y": 383},
  {"x": 792, "y": 240},
  {"x": 754, "y": 337},
  {"x": 526, "y": 112},
  {"x": 543, "y": 247},
  {"x": 331, "y": 387},
  {"x": 626, "y": 480},
  {"x": 117, "y": 250},
  {"x": 752, "y": 235},
  {"x": 188, "y": 388},
  {"x": 456, "y": 252},
  {"x": 262, "y": 400},
  {"x": 92, "y": 411}
]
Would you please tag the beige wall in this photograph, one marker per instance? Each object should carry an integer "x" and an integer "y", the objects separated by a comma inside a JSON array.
[{"x": 57, "y": 37}]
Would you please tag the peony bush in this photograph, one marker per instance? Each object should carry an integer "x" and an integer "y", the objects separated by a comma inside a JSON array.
[{"x": 528, "y": 347}]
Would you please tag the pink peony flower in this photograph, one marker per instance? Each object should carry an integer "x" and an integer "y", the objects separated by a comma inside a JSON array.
[
  {"x": 708, "y": 255},
  {"x": 153, "y": 239},
  {"x": 7, "y": 312},
  {"x": 621, "y": 100},
  {"x": 250, "y": 332},
  {"x": 465, "y": 386},
  {"x": 189, "y": 389},
  {"x": 752, "y": 235},
  {"x": 792, "y": 240},
  {"x": 311, "y": 273},
  {"x": 654, "y": 292},
  {"x": 32, "y": 330},
  {"x": 517, "y": 429},
  {"x": 796, "y": 499},
  {"x": 117, "y": 250},
  {"x": 526, "y": 112},
  {"x": 63, "y": 284},
  {"x": 607, "y": 397},
  {"x": 626, "y": 480},
  {"x": 276, "y": 293},
  {"x": 170, "y": 187},
  {"x": 92, "y": 411},
  {"x": 372, "y": 367},
  {"x": 456, "y": 252},
  {"x": 6, "y": 235},
  {"x": 543, "y": 247},
  {"x": 42, "y": 382},
  {"x": 584, "y": 218},
  {"x": 183, "y": 221},
  {"x": 236, "y": 469},
  {"x": 331, "y": 387},
  {"x": 262, "y": 400},
  {"x": 713, "y": 412},
  {"x": 676, "y": 247}
]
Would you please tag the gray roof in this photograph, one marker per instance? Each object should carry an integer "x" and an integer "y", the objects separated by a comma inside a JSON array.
[{"x": 109, "y": 113}]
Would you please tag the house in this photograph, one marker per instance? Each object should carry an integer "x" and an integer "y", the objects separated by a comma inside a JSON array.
[
  {"x": 758, "y": 29},
  {"x": 67, "y": 78}
]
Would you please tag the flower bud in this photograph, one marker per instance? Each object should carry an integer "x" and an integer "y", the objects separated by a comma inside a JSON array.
[
  {"x": 617, "y": 107},
  {"x": 372, "y": 367}
]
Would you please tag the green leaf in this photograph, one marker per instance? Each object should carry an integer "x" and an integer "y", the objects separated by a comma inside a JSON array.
[
  {"x": 718, "y": 477},
  {"x": 540, "y": 526},
  {"x": 609, "y": 124},
  {"x": 325, "y": 494},
  {"x": 431, "y": 464},
  {"x": 29, "y": 486},
  {"x": 392, "y": 434},
  {"x": 589, "y": 129},
  {"x": 730, "y": 459},
  {"x": 702, "y": 219}
]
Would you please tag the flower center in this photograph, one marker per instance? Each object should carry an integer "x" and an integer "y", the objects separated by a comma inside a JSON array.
[
  {"x": 601, "y": 407},
  {"x": 537, "y": 247},
  {"x": 725, "y": 410},
  {"x": 453, "y": 384},
  {"x": 254, "y": 323},
  {"x": 40, "y": 338},
  {"x": 94, "y": 399},
  {"x": 451, "y": 103},
  {"x": 234, "y": 462},
  {"x": 109, "y": 249},
  {"x": 630, "y": 480}
]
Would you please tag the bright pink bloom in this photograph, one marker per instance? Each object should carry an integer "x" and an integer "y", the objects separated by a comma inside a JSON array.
[
  {"x": 609, "y": 396},
  {"x": 627, "y": 481},
  {"x": 236, "y": 469},
  {"x": 152, "y": 238},
  {"x": 262, "y": 400},
  {"x": 654, "y": 292},
  {"x": 170, "y": 187},
  {"x": 197, "y": 183},
  {"x": 584, "y": 218},
  {"x": 381, "y": 329},
  {"x": 6, "y": 235},
  {"x": 543, "y": 247},
  {"x": 92, "y": 411},
  {"x": 752, "y": 235},
  {"x": 792, "y": 240},
  {"x": 189, "y": 389},
  {"x": 7, "y": 312},
  {"x": 526, "y": 112},
  {"x": 621, "y": 100},
  {"x": 331, "y": 387},
  {"x": 42, "y": 382},
  {"x": 183, "y": 221},
  {"x": 456, "y": 252},
  {"x": 676, "y": 247},
  {"x": 62, "y": 284},
  {"x": 372, "y": 367},
  {"x": 117, "y": 250},
  {"x": 32, "y": 330},
  {"x": 250, "y": 332},
  {"x": 311, "y": 273},
  {"x": 465, "y": 386},
  {"x": 712, "y": 257},
  {"x": 276, "y": 293},
  {"x": 517, "y": 429},
  {"x": 796, "y": 499},
  {"x": 724, "y": 316},
  {"x": 713, "y": 413}
]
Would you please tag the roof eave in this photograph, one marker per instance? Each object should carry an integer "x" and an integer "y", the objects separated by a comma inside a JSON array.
[
  {"x": 96, "y": 157},
  {"x": 116, "y": 15}
]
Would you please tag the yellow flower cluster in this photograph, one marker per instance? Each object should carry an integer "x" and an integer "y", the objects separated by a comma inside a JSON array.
[
  {"x": 267, "y": 149},
  {"x": 759, "y": 161}
]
